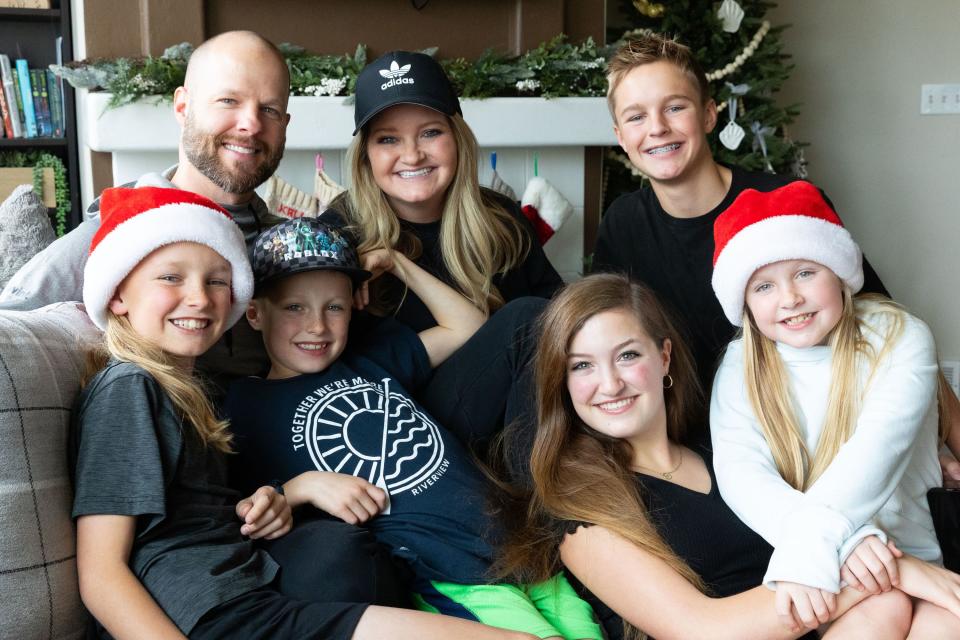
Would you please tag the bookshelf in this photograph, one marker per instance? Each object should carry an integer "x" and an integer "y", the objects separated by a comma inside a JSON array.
[{"x": 32, "y": 34}]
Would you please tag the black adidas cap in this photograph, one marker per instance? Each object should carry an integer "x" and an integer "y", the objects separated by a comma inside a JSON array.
[
  {"x": 402, "y": 77},
  {"x": 303, "y": 244}
]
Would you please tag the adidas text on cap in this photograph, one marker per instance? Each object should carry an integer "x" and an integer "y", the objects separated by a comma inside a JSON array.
[{"x": 402, "y": 77}]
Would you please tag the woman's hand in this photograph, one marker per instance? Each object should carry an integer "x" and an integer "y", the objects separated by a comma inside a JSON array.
[
  {"x": 929, "y": 582},
  {"x": 810, "y": 605},
  {"x": 265, "y": 514},
  {"x": 872, "y": 566},
  {"x": 377, "y": 262}
]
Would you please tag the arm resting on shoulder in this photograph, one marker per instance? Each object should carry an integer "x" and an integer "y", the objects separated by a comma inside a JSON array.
[
  {"x": 109, "y": 589},
  {"x": 457, "y": 319}
]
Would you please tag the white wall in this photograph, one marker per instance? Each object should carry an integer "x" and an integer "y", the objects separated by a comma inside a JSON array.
[{"x": 893, "y": 174}]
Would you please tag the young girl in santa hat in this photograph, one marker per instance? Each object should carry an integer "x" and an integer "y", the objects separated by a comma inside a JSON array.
[
  {"x": 824, "y": 414},
  {"x": 163, "y": 545}
]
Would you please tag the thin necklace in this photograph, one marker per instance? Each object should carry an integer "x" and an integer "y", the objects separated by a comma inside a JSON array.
[{"x": 666, "y": 475}]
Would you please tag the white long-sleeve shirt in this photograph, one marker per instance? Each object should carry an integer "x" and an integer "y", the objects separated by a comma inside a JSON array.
[{"x": 878, "y": 481}]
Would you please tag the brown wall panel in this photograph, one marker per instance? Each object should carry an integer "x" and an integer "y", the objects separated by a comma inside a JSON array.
[
  {"x": 164, "y": 23},
  {"x": 458, "y": 27},
  {"x": 112, "y": 28}
]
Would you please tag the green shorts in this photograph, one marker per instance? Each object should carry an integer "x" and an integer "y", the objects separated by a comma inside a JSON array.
[{"x": 547, "y": 609}]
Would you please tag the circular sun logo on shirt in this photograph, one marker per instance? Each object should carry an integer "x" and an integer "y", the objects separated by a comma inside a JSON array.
[{"x": 373, "y": 434}]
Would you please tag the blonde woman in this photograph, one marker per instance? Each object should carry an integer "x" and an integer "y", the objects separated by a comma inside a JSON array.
[
  {"x": 824, "y": 415},
  {"x": 414, "y": 188}
]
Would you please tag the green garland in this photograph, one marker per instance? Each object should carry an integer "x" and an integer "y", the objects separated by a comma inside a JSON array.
[
  {"x": 555, "y": 68},
  {"x": 40, "y": 160}
]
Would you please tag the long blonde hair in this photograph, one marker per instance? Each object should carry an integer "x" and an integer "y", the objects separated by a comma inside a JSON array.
[
  {"x": 478, "y": 237},
  {"x": 579, "y": 474},
  {"x": 769, "y": 391},
  {"x": 186, "y": 392}
]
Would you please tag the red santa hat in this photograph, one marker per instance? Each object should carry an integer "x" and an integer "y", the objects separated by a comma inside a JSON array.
[
  {"x": 793, "y": 222},
  {"x": 136, "y": 222}
]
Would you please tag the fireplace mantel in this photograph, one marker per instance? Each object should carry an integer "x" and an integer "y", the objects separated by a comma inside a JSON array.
[{"x": 143, "y": 137}]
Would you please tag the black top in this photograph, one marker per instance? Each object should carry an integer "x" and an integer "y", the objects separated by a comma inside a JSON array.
[
  {"x": 132, "y": 455},
  {"x": 674, "y": 257},
  {"x": 703, "y": 531},
  {"x": 535, "y": 276}
]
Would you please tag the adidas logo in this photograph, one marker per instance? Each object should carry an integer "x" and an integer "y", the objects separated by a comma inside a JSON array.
[{"x": 395, "y": 75}]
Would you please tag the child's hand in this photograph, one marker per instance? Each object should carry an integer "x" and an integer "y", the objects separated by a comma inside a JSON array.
[
  {"x": 265, "y": 514},
  {"x": 798, "y": 604},
  {"x": 353, "y": 500},
  {"x": 377, "y": 262},
  {"x": 871, "y": 567}
]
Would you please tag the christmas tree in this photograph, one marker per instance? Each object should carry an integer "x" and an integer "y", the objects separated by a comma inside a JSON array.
[{"x": 741, "y": 53}]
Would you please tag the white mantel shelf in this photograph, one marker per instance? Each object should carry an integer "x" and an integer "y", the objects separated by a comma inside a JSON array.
[{"x": 326, "y": 123}]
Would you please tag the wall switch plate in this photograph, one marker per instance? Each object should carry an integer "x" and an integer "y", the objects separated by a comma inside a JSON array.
[
  {"x": 939, "y": 99},
  {"x": 951, "y": 371}
]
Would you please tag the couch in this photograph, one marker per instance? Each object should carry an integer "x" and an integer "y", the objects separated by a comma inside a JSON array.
[{"x": 41, "y": 362}]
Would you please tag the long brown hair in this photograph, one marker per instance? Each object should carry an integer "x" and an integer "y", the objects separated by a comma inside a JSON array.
[
  {"x": 579, "y": 474},
  {"x": 186, "y": 392},
  {"x": 478, "y": 237}
]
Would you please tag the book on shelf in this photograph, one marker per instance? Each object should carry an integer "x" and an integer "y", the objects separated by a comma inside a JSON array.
[
  {"x": 41, "y": 103},
  {"x": 26, "y": 93},
  {"x": 56, "y": 105},
  {"x": 5, "y": 113},
  {"x": 10, "y": 92}
]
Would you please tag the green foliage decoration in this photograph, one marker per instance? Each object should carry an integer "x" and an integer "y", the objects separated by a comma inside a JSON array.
[
  {"x": 555, "y": 68},
  {"x": 40, "y": 160}
]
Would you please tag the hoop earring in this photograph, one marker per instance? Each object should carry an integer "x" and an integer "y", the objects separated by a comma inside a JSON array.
[{"x": 668, "y": 378}]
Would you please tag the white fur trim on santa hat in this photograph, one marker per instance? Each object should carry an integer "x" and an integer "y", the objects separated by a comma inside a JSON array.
[
  {"x": 122, "y": 249},
  {"x": 784, "y": 237},
  {"x": 550, "y": 204}
]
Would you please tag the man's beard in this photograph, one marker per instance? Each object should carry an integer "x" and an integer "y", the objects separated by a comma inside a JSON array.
[{"x": 202, "y": 150}]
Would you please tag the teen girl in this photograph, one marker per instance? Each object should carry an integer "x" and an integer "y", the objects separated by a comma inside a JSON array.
[
  {"x": 163, "y": 546},
  {"x": 824, "y": 414},
  {"x": 629, "y": 511}
]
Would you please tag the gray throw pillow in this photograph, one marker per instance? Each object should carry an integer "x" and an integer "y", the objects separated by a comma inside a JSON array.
[{"x": 24, "y": 230}]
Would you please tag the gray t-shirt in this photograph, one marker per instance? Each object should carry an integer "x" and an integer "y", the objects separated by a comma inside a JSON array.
[{"x": 132, "y": 455}]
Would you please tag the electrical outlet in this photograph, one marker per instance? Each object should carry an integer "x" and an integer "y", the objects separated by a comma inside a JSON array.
[
  {"x": 951, "y": 371},
  {"x": 939, "y": 99}
]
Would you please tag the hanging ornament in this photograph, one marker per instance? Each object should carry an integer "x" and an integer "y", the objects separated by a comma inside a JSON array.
[
  {"x": 760, "y": 134},
  {"x": 324, "y": 188},
  {"x": 648, "y": 8},
  {"x": 733, "y": 134},
  {"x": 799, "y": 167},
  {"x": 731, "y": 15},
  {"x": 497, "y": 183},
  {"x": 284, "y": 199}
]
